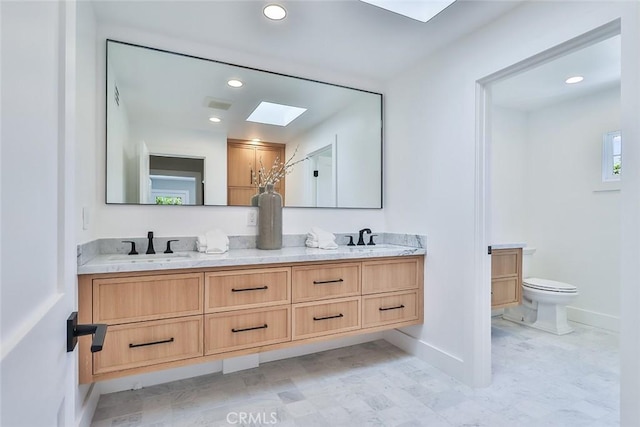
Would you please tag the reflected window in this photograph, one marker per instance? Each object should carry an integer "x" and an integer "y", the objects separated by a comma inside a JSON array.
[{"x": 611, "y": 156}]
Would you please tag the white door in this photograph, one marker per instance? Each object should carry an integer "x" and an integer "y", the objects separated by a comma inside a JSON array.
[{"x": 38, "y": 377}]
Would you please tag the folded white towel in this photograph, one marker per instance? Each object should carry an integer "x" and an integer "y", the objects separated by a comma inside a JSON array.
[
  {"x": 201, "y": 243},
  {"x": 318, "y": 238},
  {"x": 217, "y": 242}
]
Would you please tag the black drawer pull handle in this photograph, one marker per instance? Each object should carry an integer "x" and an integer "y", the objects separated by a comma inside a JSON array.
[
  {"x": 261, "y": 288},
  {"x": 234, "y": 330},
  {"x": 322, "y": 282},
  {"x": 391, "y": 308},
  {"x": 328, "y": 317},
  {"x": 151, "y": 343}
]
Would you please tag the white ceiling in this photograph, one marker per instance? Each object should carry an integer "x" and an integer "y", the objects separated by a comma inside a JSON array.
[
  {"x": 175, "y": 90},
  {"x": 347, "y": 36},
  {"x": 545, "y": 85}
]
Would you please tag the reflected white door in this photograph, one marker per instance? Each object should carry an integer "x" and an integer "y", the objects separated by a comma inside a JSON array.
[
  {"x": 145, "y": 180},
  {"x": 38, "y": 376},
  {"x": 322, "y": 175}
]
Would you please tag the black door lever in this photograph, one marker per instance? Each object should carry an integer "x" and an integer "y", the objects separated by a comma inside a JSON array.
[{"x": 98, "y": 330}]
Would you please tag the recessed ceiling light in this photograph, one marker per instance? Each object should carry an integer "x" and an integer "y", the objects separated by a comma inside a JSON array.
[
  {"x": 420, "y": 10},
  {"x": 574, "y": 79},
  {"x": 235, "y": 83},
  {"x": 275, "y": 12},
  {"x": 275, "y": 114},
  {"x": 215, "y": 119}
]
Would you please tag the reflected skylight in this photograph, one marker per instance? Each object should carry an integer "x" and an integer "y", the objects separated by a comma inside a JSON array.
[{"x": 275, "y": 114}]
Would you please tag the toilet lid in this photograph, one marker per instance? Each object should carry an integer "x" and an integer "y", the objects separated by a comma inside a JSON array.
[{"x": 548, "y": 285}]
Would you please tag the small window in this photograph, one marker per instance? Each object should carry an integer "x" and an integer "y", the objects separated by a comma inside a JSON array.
[{"x": 611, "y": 156}]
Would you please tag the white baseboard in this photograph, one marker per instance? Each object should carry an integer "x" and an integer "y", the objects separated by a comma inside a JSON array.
[
  {"x": 450, "y": 364},
  {"x": 593, "y": 318},
  {"x": 89, "y": 406}
]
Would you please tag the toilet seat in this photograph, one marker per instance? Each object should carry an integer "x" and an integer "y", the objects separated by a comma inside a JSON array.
[{"x": 549, "y": 285}]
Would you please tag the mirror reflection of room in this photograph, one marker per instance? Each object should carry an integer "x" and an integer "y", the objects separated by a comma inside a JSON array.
[{"x": 220, "y": 123}]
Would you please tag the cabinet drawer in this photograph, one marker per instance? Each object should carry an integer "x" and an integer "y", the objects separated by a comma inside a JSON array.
[
  {"x": 505, "y": 262},
  {"x": 391, "y": 275},
  {"x": 327, "y": 281},
  {"x": 505, "y": 292},
  {"x": 311, "y": 320},
  {"x": 133, "y": 299},
  {"x": 149, "y": 343},
  {"x": 246, "y": 328},
  {"x": 229, "y": 290},
  {"x": 393, "y": 308}
]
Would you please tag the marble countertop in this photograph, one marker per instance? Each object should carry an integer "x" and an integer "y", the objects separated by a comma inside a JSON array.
[
  {"x": 117, "y": 263},
  {"x": 509, "y": 246}
]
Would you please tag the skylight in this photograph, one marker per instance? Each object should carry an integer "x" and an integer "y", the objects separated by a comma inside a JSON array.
[
  {"x": 420, "y": 10},
  {"x": 275, "y": 114}
]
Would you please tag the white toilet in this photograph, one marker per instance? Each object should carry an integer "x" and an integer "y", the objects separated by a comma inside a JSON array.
[{"x": 544, "y": 302}]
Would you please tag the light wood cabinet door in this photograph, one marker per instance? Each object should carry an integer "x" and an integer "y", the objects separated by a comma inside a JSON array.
[
  {"x": 234, "y": 290},
  {"x": 506, "y": 277},
  {"x": 242, "y": 329},
  {"x": 240, "y": 196},
  {"x": 241, "y": 163},
  {"x": 389, "y": 308},
  {"x": 312, "y": 283},
  {"x": 390, "y": 275},
  {"x": 149, "y": 343},
  {"x": 313, "y": 319},
  {"x": 133, "y": 299}
]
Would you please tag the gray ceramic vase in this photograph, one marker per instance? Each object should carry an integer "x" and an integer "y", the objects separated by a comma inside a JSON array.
[{"x": 269, "y": 219}]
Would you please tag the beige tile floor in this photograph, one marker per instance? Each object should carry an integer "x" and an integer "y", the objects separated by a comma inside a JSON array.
[{"x": 539, "y": 379}]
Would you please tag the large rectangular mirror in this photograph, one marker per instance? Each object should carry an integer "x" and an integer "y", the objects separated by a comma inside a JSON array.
[{"x": 179, "y": 132}]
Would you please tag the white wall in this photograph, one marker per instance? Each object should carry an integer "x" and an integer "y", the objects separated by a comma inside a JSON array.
[
  {"x": 508, "y": 173},
  {"x": 87, "y": 85},
  {"x": 119, "y": 142},
  {"x": 431, "y": 140},
  {"x": 356, "y": 131},
  {"x": 131, "y": 221}
]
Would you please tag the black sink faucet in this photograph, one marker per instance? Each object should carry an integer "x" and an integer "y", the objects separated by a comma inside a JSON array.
[
  {"x": 360, "y": 238},
  {"x": 150, "y": 249}
]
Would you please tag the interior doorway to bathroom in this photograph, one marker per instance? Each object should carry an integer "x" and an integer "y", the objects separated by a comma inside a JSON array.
[
  {"x": 321, "y": 175},
  {"x": 544, "y": 158}
]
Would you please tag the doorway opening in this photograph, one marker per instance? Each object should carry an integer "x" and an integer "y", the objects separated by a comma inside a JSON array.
[
  {"x": 321, "y": 177},
  {"x": 539, "y": 146}
]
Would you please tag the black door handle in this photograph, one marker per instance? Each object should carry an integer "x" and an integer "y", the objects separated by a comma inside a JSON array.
[{"x": 98, "y": 330}]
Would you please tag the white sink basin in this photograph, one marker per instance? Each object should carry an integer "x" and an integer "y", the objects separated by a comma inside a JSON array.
[{"x": 176, "y": 256}]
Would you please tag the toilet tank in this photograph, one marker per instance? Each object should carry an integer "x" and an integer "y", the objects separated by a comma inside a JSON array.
[{"x": 527, "y": 255}]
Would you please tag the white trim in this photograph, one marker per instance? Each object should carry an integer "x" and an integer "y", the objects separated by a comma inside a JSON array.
[
  {"x": 29, "y": 324},
  {"x": 594, "y": 318},
  {"x": 479, "y": 342},
  {"x": 425, "y": 351},
  {"x": 89, "y": 406}
]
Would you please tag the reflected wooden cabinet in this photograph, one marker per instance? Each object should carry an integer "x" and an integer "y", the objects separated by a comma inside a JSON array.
[
  {"x": 506, "y": 277},
  {"x": 163, "y": 319},
  {"x": 243, "y": 161}
]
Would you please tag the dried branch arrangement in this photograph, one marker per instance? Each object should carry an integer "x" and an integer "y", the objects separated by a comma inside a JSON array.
[{"x": 277, "y": 171}]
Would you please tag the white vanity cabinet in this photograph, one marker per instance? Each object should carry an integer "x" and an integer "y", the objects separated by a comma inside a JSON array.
[{"x": 168, "y": 318}]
